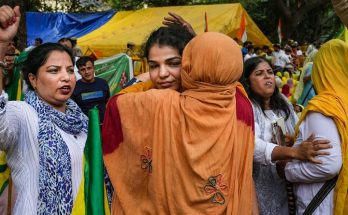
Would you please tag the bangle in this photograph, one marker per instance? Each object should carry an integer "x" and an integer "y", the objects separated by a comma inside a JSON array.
[{"x": 3, "y": 67}]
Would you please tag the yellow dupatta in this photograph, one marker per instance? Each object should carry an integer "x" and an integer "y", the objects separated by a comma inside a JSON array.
[{"x": 330, "y": 80}]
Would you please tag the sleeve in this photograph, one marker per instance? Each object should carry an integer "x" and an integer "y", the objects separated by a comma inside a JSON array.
[
  {"x": 139, "y": 87},
  {"x": 9, "y": 123},
  {"x": 263, "y": 150},
  {"x": 323, "y": 128}
]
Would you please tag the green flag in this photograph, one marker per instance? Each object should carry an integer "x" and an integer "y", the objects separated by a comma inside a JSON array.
[
  {"x": 116, "y": 70},
  {"x": 14, "y": 88},
  {"x": 95, "y": 195}
]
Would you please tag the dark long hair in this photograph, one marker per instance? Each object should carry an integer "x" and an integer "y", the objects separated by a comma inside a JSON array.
[
  {"x": 38, "y": 57},
  {"x": 174, "y": 36},
  {"x": 277, "y": 102}
]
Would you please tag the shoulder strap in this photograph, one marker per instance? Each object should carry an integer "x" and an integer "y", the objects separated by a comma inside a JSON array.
[{"x": 320, "y": 196}]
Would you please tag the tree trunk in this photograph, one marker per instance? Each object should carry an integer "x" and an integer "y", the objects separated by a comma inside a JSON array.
[{"x": 292, "y": 16}]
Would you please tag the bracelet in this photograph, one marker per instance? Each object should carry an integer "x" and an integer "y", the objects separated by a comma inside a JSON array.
[{"x": 3, "y": 65}]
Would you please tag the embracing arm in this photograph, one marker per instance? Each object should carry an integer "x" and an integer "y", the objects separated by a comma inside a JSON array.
[
  {"x": 306, "y": 151},
  {"x": 263, "y": 149},
  {"x": 323, "y": 128},
  {"x": 266, "y": 152},
  {"x": 136, "y": 88},
  {"x": 175, "y": 19}
]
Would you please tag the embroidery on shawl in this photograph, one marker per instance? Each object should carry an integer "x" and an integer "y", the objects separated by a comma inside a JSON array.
[
  {"x": 146, "y": 159},
  {"x": 214, "y": 188}
]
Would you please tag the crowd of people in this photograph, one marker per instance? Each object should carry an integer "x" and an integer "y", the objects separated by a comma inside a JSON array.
[{"x": 212, "y": 127}]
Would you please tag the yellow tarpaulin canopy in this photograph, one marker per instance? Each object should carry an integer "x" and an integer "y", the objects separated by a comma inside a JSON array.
[{"x": 135, "y": 26}]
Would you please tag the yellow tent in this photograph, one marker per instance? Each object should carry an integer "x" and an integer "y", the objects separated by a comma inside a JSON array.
[{"x": 135, "y": 26}]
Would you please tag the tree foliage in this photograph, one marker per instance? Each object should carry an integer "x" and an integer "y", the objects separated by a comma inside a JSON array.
[
  {"x": 307, "y": 19},
  {"x": 302, "y": 19},
  {"x": 73, "y": 5}
]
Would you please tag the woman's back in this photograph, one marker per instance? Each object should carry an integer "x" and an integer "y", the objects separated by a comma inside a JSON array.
[{"x": 186, "y": 155}]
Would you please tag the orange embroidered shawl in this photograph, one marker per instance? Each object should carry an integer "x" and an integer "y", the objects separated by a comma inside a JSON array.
[{"x": 189, "y": 152}]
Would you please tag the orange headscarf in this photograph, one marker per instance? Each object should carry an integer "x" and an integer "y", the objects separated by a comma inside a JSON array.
[
  {"x": 330, "y": 79},
  {"x": 182, "y": 153}
]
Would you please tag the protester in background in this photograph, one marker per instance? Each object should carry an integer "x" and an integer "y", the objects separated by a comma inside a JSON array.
[
  {"x": 11, "y": 79},
  {"x": 12, "y": 47},
  {"x": 326, "y": 117},
  {"x": 275, "y": 122},
  {"x": 251, "y": 52},
  {"x": 167, "y": 134},
  {"x": 299, "y": 55},
  {"x": 280, "y": 60},
  {"x": 76, "y": 49},
  {"x": 38, "y": 41},
  {"x": 66, "y": 42},
  {"x": 312, "y": 52},
  {"x": 289, "y": 66},
  {"x": 294, "y": 55},
  {"x": 90, "y": 91},
  {"x": 44, "y": 136},
  {"x": 245, "y": 48},
  {"x": 308, "y": 91},
  {"x": 298, "y": 109},
  {"x": 131, "y": 49}
]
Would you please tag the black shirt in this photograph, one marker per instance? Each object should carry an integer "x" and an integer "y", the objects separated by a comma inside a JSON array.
[{"x": 89, "y": 95}]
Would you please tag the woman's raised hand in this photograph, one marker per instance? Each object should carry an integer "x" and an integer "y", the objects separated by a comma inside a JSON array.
[
  {"x": 175, "y": 19},
  {"x": 310, "y": 148},
  {"x": 9, "y": 22}
]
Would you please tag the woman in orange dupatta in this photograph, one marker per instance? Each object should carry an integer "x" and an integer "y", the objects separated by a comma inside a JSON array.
[{"x": 180, "y": 153}]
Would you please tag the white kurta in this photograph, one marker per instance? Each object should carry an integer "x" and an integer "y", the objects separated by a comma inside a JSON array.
[
  {"x": 264, "y": 147},
  {"x": 18, "y": 137},
  {"x": 270, "y": 188},
  {"x": 307, "y": 177}
]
